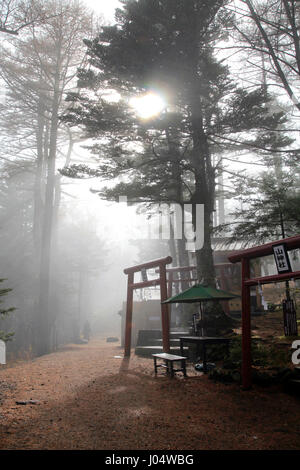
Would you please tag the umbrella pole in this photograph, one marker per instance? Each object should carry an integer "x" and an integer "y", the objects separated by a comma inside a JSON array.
[{"x": 201, "y": 316}]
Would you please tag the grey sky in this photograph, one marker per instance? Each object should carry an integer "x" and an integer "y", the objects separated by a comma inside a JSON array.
[{"x": 107, "y": 7}]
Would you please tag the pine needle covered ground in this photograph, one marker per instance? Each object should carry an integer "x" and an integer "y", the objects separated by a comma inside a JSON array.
[{"x": 88, "y": 397}]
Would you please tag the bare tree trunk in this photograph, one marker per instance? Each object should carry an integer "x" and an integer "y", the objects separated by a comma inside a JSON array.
[
  {"x": 204, "y": 193},
  {"x": 38, "y": 213},
  {"x": 38, "y": 199},
  {"x": 44, "y": 330},
  {"x": 58, "y": 179}
]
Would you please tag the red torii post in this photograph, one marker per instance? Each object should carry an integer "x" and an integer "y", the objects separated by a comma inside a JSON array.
[
  {"x": 162, "y": 282},
  {"x": 244, "y": 256}
]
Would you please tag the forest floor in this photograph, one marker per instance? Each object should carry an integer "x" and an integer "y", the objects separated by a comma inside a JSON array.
[{"x": 89, "y": 397}]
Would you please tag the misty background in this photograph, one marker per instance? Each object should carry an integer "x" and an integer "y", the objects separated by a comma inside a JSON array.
[
  {"x": 89, "y": 248},
  {"x": 64, "y": 248}
]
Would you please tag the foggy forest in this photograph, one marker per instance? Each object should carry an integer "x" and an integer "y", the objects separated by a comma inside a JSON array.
[{"x": 132, "y": 131}]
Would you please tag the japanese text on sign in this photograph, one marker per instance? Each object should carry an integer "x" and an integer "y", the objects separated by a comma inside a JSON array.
[{"x": 281, "y": 258}]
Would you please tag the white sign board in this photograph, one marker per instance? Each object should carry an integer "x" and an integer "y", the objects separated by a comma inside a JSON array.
[
  {"x": 281, "y": 258},
  {"x": 2, "y": 352}
]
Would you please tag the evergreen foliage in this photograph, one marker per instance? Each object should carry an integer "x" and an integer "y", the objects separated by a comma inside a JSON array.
[
  {"x": 270, "y": 209},
  {"x": 168, "y": 47}
]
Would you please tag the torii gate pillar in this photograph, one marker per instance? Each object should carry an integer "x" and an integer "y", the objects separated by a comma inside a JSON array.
[{"x": 162, "y": 282}]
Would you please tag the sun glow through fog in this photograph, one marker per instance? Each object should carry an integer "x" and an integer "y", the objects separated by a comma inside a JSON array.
[{"x": 148, "y": 105}]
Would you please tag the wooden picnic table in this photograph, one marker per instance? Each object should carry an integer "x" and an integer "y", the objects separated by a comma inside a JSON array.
[{"x": 203, "y": 341}]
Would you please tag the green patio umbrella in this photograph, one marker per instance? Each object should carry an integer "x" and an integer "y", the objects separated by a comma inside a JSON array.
[{"x": 200, "y": 293}]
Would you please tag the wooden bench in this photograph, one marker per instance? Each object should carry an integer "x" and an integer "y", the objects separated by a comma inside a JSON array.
[{"x": 169, "y": 359}]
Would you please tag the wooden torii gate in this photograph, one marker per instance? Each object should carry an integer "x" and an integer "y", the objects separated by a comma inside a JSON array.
[
  {"x": 162, "y": 282},
  {"x": 244, "y": 256},
  {"x": 189, "y": 269},
  {"x": 179, "y": 270}
]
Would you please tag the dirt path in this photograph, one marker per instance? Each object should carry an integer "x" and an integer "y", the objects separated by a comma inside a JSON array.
[{"x": 86, "y": 398}]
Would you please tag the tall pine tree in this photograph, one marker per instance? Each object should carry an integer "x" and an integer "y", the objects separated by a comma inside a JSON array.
[{"x": 168, "y": 47}]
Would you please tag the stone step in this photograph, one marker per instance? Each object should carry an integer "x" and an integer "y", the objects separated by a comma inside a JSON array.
[
  {"x": 173, "y": 342},
  {"x": 149, "y": 337},
  {"x": 178, "y": 334}
]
